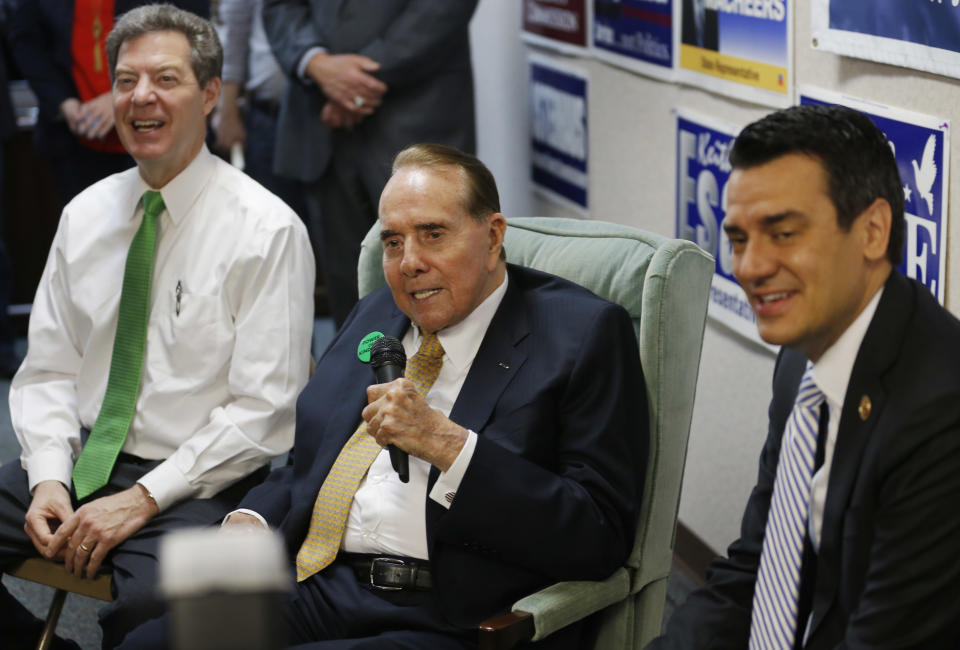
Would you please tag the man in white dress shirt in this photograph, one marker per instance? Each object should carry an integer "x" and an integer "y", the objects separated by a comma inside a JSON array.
[{"x": 226, "y": 328}]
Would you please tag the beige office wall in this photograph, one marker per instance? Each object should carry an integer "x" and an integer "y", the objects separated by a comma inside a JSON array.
[{"x": 632, "y": 170}]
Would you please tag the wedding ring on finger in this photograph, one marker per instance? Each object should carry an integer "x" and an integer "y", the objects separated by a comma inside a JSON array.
[
  {"x": 84, "y": 548},
  {"x": 358, "y": 101}
]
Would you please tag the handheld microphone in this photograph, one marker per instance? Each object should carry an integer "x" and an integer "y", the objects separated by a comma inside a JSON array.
[{"x": 388, "y": 361}]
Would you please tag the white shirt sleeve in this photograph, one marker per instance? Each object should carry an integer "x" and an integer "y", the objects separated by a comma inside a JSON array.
[
  {"x": 43, "y": 396},
  {"x": 445, "y": 489}
]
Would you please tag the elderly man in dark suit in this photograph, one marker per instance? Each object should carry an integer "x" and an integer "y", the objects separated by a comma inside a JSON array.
[
  {"x": 369, "y": 77},
  {"x": 525, "y": 445},
  {"x": 850, "y": 536}
]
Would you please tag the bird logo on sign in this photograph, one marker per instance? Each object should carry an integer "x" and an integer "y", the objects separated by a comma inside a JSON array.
[{"x": 926, "y": 173}]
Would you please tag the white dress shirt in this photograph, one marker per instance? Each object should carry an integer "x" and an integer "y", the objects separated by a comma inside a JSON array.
[
  {"x": 227, "y": 352},
  {"x": 388, "y": 516},
  {"x": 832, "y": 373}
]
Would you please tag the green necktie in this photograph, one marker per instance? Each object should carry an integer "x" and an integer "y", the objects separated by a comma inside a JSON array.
[{"x": 92, "y": 469}]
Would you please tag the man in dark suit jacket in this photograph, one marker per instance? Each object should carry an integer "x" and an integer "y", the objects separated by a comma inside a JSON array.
[
  {"x": 369, "y": 77},
  {"x": 524, "y": 456},
  {"x": 816, "y": 220}
]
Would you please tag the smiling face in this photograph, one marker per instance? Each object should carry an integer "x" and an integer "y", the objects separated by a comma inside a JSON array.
[
  {"x": 439, "y": 262},
  {"x": 806, "y": 278},
  {"x": 159, "y": 107}
]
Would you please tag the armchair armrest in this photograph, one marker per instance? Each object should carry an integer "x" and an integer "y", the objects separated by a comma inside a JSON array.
[{"x": 552, "y": 608}]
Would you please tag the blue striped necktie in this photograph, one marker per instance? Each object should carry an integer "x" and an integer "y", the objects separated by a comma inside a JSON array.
[{"x": 773, "y": 625}]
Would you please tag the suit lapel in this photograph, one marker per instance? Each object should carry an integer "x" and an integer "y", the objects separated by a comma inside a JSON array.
[
  {"x": 498, "y": 359},
  {"x": 356, "y": 377},
  {"x": 879, "y": 350}
]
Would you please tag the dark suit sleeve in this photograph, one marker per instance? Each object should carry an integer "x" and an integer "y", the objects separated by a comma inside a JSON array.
[
  {"x": 420, "y": 40},
  {"x": 717, "y": 616},
  {"x": 566, "y": 506},
  {"x": 911, "y": 592},
  {"x": 290, "y": 30},
  {"x": 35, "y": 46}
]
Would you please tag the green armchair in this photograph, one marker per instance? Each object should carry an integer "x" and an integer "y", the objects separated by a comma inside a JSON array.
[{"x": 663, "y": 283}]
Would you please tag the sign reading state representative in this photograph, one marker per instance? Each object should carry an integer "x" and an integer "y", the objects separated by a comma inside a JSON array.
[{"x": 741, "y": 48}]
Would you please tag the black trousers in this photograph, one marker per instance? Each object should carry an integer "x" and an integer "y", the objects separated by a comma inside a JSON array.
[
  {"x": 134, "y": 562},
  {"x": 333, "y": 610}
]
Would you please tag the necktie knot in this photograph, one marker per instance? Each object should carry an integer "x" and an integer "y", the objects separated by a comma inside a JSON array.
[
  {"x": 430, "y": 347},
  {"x": 152, "y": 204},
  {"x": 809, "y": 395}
]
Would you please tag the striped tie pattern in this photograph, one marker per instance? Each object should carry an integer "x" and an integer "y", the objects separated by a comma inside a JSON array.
[
  {"x": 774, "y": 622},
  {"x": 92, "y": 469},
  {"x": 330, "y": 510}
]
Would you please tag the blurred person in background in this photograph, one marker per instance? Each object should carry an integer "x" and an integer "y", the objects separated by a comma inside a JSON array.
[
  {"x": 59, "y": 48},
  {"x": 368, "y": 78}
]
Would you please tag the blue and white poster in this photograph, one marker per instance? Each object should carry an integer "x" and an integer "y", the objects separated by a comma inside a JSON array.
[
  {"x": 703, "y": 169},
  {"x": 919, "y": 34},
  {"x": 742, "y": 49},
  {"x": 921, "y": 145},
  {"x": 636, "y": 35},
  {"x": 558, "y": 117}
]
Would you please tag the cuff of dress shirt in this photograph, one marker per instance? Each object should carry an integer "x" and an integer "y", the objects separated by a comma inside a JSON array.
[
  {"x": 49, "y": 465},
  {"x": 244, "y": 511},
  {"x": 166, "y": 485},
  {"x": 445, "y": 489},
  {"x": 304, "y": 60}
]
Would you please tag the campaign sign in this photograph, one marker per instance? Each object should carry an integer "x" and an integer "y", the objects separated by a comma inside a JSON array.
[
  {"x": 921, "y": 145},
  {"x": 558, "y": 115},
  {"x": 920, "y": 34},
  {"x": 742, "y": 48},
  {"x": 703, "y": 169},
  {"x": 635, "y": 34},
  {"x": 559, "y": 24}
]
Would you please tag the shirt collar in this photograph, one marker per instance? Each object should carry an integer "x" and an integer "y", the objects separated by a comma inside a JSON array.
[
  {"x": 832, "y": 372},
  {"x": 461, "y": 341},
  {"x": 182, "y": 191}
]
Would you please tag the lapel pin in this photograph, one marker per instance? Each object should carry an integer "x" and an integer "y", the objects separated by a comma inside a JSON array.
[
  {"x": 503, "y": 365},
  {"x": 865, "y": 406}
]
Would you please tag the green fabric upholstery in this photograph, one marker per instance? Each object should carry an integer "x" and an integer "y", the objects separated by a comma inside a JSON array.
[{"x": 663, "y": 283}]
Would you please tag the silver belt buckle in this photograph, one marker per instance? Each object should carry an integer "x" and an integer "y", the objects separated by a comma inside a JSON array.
[{"x": 385, "y": 560}]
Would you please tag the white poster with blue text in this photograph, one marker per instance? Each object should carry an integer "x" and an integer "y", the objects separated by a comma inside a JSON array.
[
  {"x": 921, "y": 145},
  {"x": 558, "y": 117},
  {"x": 918, "y": 34},
  {"x": 703, "y": 168}
]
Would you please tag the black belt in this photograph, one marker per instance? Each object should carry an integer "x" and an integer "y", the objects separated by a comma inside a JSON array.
[{"x": 390, "y": 573}]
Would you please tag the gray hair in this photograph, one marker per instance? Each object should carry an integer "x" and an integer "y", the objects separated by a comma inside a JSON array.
[{"x": 206, "y": 53}]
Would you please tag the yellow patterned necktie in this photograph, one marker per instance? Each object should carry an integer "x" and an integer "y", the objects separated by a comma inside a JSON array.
[{"x": 330, "y": 510}]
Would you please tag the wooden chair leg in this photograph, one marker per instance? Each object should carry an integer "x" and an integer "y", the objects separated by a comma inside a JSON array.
[{"x": 53, "y": 615}]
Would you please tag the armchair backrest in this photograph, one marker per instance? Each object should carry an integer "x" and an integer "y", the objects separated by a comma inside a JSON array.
[{"x": 663, "y": 285}]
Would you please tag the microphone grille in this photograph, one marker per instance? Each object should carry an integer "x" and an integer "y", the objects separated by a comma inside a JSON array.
[{"x": 387, "y": 350}]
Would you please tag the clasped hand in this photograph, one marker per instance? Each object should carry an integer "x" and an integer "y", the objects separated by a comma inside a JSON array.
[
  {"x": 82, "y": 538},
  {"x": 396, "y": 414}
]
